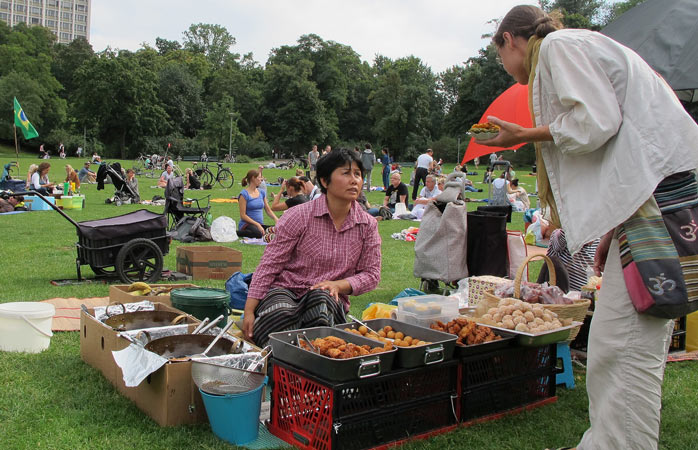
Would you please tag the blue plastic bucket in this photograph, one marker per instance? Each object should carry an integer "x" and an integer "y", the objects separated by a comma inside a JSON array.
[{"x": 234, "y": 417}]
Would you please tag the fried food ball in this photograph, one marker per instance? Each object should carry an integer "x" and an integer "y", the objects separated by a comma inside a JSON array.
[
  {"x": 528, "y": 315},
  {"x": 399, "y": 335},
  {"x": 521, "y": 327},
  {"x": 387, "y": 328},
  {"x": 363, "y": 329},
  {"x": 508, "y": 324},
  {"x": 538, "y": 312},
  {"x": 517, "y": 312},
  {"x": 391, "y": 335},
  {"x": 382, "y": 333},
  {"x": 407, "y": 340},
  {"x": 519, "y": 320},
  {"x": 547, "y": 317}
]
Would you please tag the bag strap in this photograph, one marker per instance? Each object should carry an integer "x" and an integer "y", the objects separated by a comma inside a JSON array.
[{"x": 520, "y": 270}]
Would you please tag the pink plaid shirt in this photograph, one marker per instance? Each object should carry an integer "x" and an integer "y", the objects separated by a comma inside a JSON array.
[{"x": 308, "y": 249}]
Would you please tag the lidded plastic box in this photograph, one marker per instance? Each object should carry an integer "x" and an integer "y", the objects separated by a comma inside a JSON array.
[{"x": 423, "y": 310}]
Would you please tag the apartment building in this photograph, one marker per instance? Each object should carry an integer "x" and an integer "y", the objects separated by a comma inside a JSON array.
[{"x": 68, "y": 19}]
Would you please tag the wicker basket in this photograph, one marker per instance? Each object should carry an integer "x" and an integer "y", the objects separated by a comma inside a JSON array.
[{"x": 576, "y": 311}]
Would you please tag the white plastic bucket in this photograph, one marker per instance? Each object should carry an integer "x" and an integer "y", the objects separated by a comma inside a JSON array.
[{"x": 25, "y": 326}]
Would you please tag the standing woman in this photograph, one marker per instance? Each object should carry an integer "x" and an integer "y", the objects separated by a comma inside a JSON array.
[
  {"x": 602, "y": 156},
  {"x": 386, "y": 161},
  {"x": 324, "y": 251},
  {"x": 252, "y": 203}
]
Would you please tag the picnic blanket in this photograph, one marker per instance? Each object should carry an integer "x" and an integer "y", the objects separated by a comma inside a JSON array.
[
  {"x": 67, "y": 316},
  {"x": 688, "y": 356},
  {"x": 224, "y": 200}
]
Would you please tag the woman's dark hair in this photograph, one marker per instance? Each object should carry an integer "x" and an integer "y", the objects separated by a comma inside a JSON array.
[
  {"x": 295, "y": 183},
  {"x": 43, "y": 166},
  {"x": 368, "y": 146},
  {"x": 515, "y": 182},
  {"x": 525, "y": 21},
  {"x": 385, "y": 150},
  {"x": 252, "y": 173},
  {"x": 336, "y": 158}
]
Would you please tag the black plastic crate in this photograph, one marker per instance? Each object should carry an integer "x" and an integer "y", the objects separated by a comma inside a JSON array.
[
  {"x": 505, "y": 364},
  {"x": 513, "y": 393},
  {"x": 297, "y": 388},
  {"x": 678, "y": 336},
  {"x": 319, "y": 430}
]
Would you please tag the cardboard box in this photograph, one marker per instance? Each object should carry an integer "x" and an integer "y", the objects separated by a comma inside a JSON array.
[
  {"x": 169, "y": 395},
  {"x": 209, "y": 262},
  {"x": 118, "y": 293}
]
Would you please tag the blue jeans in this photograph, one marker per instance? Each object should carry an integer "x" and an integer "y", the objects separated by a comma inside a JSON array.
[{"x": 386, "y": 176}]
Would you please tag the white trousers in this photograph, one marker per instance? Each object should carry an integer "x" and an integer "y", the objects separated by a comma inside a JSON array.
[{"x": 625, "y": 368}]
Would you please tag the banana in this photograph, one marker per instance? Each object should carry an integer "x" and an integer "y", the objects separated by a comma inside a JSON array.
[{"x": 139, "y": 286}]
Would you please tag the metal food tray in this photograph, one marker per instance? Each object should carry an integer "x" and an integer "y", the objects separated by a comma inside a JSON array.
[
  {"x": 285, "y": 348},
  {"x": 469, "y": 350},
  {"x": 441, "y": 347},
  {"x": 539, "y": 339}
]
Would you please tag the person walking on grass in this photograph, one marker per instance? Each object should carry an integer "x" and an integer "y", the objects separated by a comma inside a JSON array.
[
  {"x": 368, "y": 159},
  {"x": 589, "y": 97}
]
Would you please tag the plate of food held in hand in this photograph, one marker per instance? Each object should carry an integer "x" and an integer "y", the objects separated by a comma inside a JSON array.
[{"x": 483, "y": 131}]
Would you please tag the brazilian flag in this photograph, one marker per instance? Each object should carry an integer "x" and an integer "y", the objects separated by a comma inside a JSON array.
[{"x": 22, "y": 122}]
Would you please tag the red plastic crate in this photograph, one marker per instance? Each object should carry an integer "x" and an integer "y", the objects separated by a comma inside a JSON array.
[{"x": 312, "y": 414}]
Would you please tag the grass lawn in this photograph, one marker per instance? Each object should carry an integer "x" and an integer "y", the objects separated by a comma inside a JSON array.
[{"x": 54, "y": 400}]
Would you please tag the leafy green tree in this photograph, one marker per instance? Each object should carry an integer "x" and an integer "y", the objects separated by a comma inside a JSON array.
[
  {"x": 117, "y": 96},
  {"x": 66, "y": 60},
  {"x": 216, "y": 133},
  {"x": 617, "y": 9},
  {"x": 214, "y": 41},
  {"x": 402, "y": 105},
  {"x": 165, "y": 46},
  {"x": 295, "y": 114},
  {"x": 25, "y": 72},
  {"x": 180, "y": 95}
]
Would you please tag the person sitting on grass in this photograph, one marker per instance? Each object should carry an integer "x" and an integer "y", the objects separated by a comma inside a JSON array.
[
  {"x": 192, "y": 180},
  {"x": 520, "y": 194},
  {"x": 396, "y": 193},
  {"x": 324, "y": 251},
  {"x": 86, "y": 175},
  {"x": 294, "y": 194},
  {"x": 426, "y": 195},
  {"x": 132, "y": 183},
  {"x": 71, "y": 177},
  {"x": 166, "y": 175},
  {"x": 39, "y": 180},
  {"x": 33, "y": 168},
  {"x": 253, "y": 203}
]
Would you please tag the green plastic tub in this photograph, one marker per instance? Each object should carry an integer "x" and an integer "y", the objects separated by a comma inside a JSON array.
[{"x": 202, "y": 302}]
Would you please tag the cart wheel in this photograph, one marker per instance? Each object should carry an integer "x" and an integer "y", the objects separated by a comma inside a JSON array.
[
  {"x": 139, "y": 260},
  {"x": 103, "y": 272}
]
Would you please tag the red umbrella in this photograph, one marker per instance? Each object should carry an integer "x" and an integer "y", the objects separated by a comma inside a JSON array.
[{"x": 511, "y": 106}]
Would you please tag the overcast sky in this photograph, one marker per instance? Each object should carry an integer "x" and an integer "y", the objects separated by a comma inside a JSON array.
[{"x": 442, "y": 33}]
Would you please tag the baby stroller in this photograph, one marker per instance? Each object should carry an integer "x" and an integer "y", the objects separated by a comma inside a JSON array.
[
  {"x": 123, "y": 194},
  {"x": 441, "y": 245}
]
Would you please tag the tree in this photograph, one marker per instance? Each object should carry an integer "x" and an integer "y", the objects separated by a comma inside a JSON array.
[
  {"x": 295, "y": 115},
  {"x": 618, "y": 9},
  {"x": 180, "y": 95},
  {"x": 214, "y": 41},
  {"x": 165, "y": 46},
  {"x": 117, "y": 95}
]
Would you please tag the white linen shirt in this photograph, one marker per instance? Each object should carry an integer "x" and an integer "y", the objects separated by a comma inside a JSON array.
[{"x": 618, "y": 130}]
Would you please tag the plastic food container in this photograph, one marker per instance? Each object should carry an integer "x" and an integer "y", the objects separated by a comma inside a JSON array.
[
  {"x": 423, "y": 310},
  {"x": 25, "y": 326}
]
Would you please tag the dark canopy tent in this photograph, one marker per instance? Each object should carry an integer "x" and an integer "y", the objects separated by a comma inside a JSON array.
[{"x": 665, "y": 34}]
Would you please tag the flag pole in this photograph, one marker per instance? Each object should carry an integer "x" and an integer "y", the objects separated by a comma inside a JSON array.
[{"x": 16, "y": 145}]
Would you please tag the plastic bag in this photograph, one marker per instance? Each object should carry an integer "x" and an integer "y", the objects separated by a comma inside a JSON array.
[
  {"x": 223, "y": 230},
  {"x": 237, "y": 286},
  {"x": 378, "y": 311}
]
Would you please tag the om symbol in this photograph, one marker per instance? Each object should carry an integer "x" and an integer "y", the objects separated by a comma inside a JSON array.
[
  {"x": 689, "y": 231},
  {"x": 661, "y": 285}
]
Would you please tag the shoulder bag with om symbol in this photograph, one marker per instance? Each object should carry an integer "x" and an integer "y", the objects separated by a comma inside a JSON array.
[{"x": 659, "y": 249}]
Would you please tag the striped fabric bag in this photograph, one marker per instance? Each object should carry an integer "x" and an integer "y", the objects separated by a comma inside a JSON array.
[{"x": 659, "y": 249}]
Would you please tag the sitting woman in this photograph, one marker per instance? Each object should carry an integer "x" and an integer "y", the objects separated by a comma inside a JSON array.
[
  {"x": 324, "y": 251},
  {"x": 132, "y": 182},
  {"x": 33, "y": 168},
  {"x": 71, "y": 177},
  {"x": 40, "y": 182},
  {"x": 252, "y": 202},
  {"x": 501, "y": 187},
  {"x": 165, "y": 177},
  {"x": 294, "y": 194},
  {"x": 520, "y": 194},
  {"x": 192, "y": 180}
]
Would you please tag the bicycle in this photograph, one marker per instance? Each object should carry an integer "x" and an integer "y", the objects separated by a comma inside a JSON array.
[
  {"x": 223, "y": 176},
  {"x": 141, "y": 164},
  {"x": 293, "y": 162}
]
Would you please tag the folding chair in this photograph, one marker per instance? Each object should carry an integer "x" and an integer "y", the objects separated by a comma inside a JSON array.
[{"x": 174, "y": 203}]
